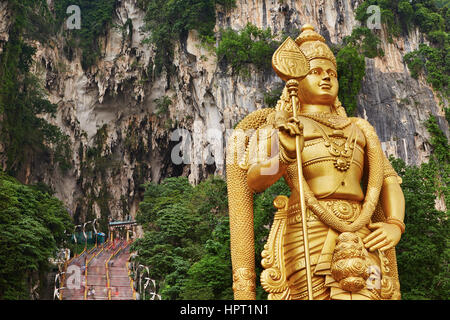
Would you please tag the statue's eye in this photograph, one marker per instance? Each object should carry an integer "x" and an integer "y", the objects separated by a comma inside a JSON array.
[
  {"x": 314, "y": 71},
  {"x": 331, "y": 73}
]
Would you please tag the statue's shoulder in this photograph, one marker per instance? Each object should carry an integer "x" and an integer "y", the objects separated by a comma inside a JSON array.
[
  {"x": 256, "y": 119},
  {"x": 364, "y": 125},
  {"x": 360, "y": 121}
]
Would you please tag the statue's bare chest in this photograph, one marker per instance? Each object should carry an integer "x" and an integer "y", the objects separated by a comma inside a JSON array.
[{"x": 337, "y": 144}]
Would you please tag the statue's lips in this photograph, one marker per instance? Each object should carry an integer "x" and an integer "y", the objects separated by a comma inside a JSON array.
[{"x": 325, "y": 86}]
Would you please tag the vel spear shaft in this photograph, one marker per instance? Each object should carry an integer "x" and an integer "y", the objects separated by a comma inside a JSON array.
[{"x": 292, "y": 87}]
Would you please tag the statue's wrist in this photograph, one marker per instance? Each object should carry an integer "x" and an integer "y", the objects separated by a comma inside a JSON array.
[
  {"x": 285, "y": 157},
  {"x": 399, "y": 223}
]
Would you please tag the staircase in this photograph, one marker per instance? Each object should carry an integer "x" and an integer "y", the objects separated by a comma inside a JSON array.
[
  {"x": 118, "y": 272},
  {"x": 107, "y": 262}
]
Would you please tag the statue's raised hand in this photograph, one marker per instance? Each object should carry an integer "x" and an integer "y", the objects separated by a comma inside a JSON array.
[{"x": 288, "y": 129}]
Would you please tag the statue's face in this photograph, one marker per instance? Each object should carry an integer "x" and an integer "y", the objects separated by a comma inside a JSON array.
[{"x": 320, "y": 85}]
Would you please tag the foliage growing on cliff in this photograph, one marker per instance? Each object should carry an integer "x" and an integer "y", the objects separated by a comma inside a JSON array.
[
  {"x": 170, "y": 21},
  {"x": 351, "y": 70},
  {"x": 432, "y": 18},
  {"x": 440, "y": 159},
  {"x": 401, "y": 15},
  {"x": 24, "y": 131},
  {"x": 248, "y": 46},
  {"x": 434, "y": 63},
  {"x": 32, "y": 225},
  {"x": 423, "y": 253},
  {"x": 162, "y": 105},
  {"x": 95, "y": 163},
  {"x": 95, "y": 16},
  {"x": 365, "y": 41},
  {"x": 271, "y": 97}
]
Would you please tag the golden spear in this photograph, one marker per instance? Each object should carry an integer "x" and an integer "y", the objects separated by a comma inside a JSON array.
[{"x": 290, "y": 63}]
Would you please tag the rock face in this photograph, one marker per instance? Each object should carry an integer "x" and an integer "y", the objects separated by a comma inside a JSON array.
[{"x": 121, "y": 137}]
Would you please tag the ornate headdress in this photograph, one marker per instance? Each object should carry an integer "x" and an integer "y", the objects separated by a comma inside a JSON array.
[
  {"x": 292, "y": 60},
  {"x": 313, "y": 45}
]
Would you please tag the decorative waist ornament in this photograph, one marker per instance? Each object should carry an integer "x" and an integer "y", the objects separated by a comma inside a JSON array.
[{"x": 348, "y": 248}]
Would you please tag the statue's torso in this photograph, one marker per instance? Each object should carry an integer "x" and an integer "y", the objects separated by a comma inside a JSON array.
[{"x": 328, "y": 174}]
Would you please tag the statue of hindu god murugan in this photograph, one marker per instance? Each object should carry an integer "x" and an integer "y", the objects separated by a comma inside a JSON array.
[{"x": 335, "y": 236}]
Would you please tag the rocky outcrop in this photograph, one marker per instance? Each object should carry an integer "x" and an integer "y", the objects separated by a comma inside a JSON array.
[
  {"x": 4, "y": 24},
  {"x": 121, "y": 137},
  {"x": 397, "y": 104}
]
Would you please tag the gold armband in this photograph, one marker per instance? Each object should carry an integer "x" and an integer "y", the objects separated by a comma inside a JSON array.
[
  {"x": 398, "y": 223},
  {"x": 284, "y": 158}
]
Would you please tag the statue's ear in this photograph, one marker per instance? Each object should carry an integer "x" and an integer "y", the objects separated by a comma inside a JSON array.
[{"x": 340, "y": 110}]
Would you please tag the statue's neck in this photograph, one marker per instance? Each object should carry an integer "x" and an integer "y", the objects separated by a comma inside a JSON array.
[{"x": 313, "y": 108}]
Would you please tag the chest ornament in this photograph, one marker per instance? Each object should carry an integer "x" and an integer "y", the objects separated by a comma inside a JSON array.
[{"x": 339, "y": 147}]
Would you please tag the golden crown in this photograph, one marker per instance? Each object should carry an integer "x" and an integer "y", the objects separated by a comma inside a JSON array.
[
  {"x": 291, "y": 59},
  {"x": 313, "y": 45}
]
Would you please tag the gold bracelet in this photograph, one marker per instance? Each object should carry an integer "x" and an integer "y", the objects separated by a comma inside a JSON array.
[
  {"x": 284, "y": 157},
  {"x": 399, "y": 223}
]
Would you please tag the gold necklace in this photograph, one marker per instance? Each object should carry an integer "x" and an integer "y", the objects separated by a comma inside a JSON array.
[
  {"x": 331, "y": 120},
  {"x": 342, "y": 152}
]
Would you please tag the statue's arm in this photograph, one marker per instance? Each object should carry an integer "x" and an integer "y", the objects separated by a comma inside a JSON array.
[
  {"x": 241, "y": 235},
  {"x": 387, "y": 234},
  {"x": 260, "y": 176},
  {"x": 271, "y": 151},
  {"x": 392, "y": 199},
  {"x": 240, "y": 205}
]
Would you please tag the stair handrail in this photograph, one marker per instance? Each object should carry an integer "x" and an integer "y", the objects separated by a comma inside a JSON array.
[
  {"x": 86, "y": 270},
  {"x": 63, "y": 277},
  {"x": 131, "y": 280}
]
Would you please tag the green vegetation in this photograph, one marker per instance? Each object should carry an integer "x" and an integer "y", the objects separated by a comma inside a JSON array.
[
  {"x": 365, "y": 41},
  {"x": 398, "y": 16},
  {"x": 162, "y": 105},
  {"x": 402, "y": 15},
  {"x": 432, "y": 17},
  {"x": 271, "y": 97},
  {"x": 248, "y": 46},
  {"x": 170, "y": 21},
  {"x": 184, "y": 226},
  {"x": 187, "y": 238},
  {"x": 95, "y": 17},
  {"x": 24, "y": 132},
  {"x": 433, "y": 62},
  {"x": 423, "y": 253},
  {"x": 351, "y": 65},
  {"x": 96, "y": 163},
  {"x": 32, "y": 225},
  {"x": 351, "y": 70}
]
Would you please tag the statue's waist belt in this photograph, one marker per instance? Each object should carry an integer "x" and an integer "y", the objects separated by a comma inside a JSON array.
[{"x": 345, "y": 210}]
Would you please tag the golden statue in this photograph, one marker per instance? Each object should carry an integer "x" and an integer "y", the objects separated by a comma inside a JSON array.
[{"x": 349, "y": 195}]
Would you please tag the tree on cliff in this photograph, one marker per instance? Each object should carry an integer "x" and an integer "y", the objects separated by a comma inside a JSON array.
[{"x": 32, "y": 225}]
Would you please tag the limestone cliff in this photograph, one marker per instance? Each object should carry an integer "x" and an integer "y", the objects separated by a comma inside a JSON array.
[{"x": 110, "y": 108}]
